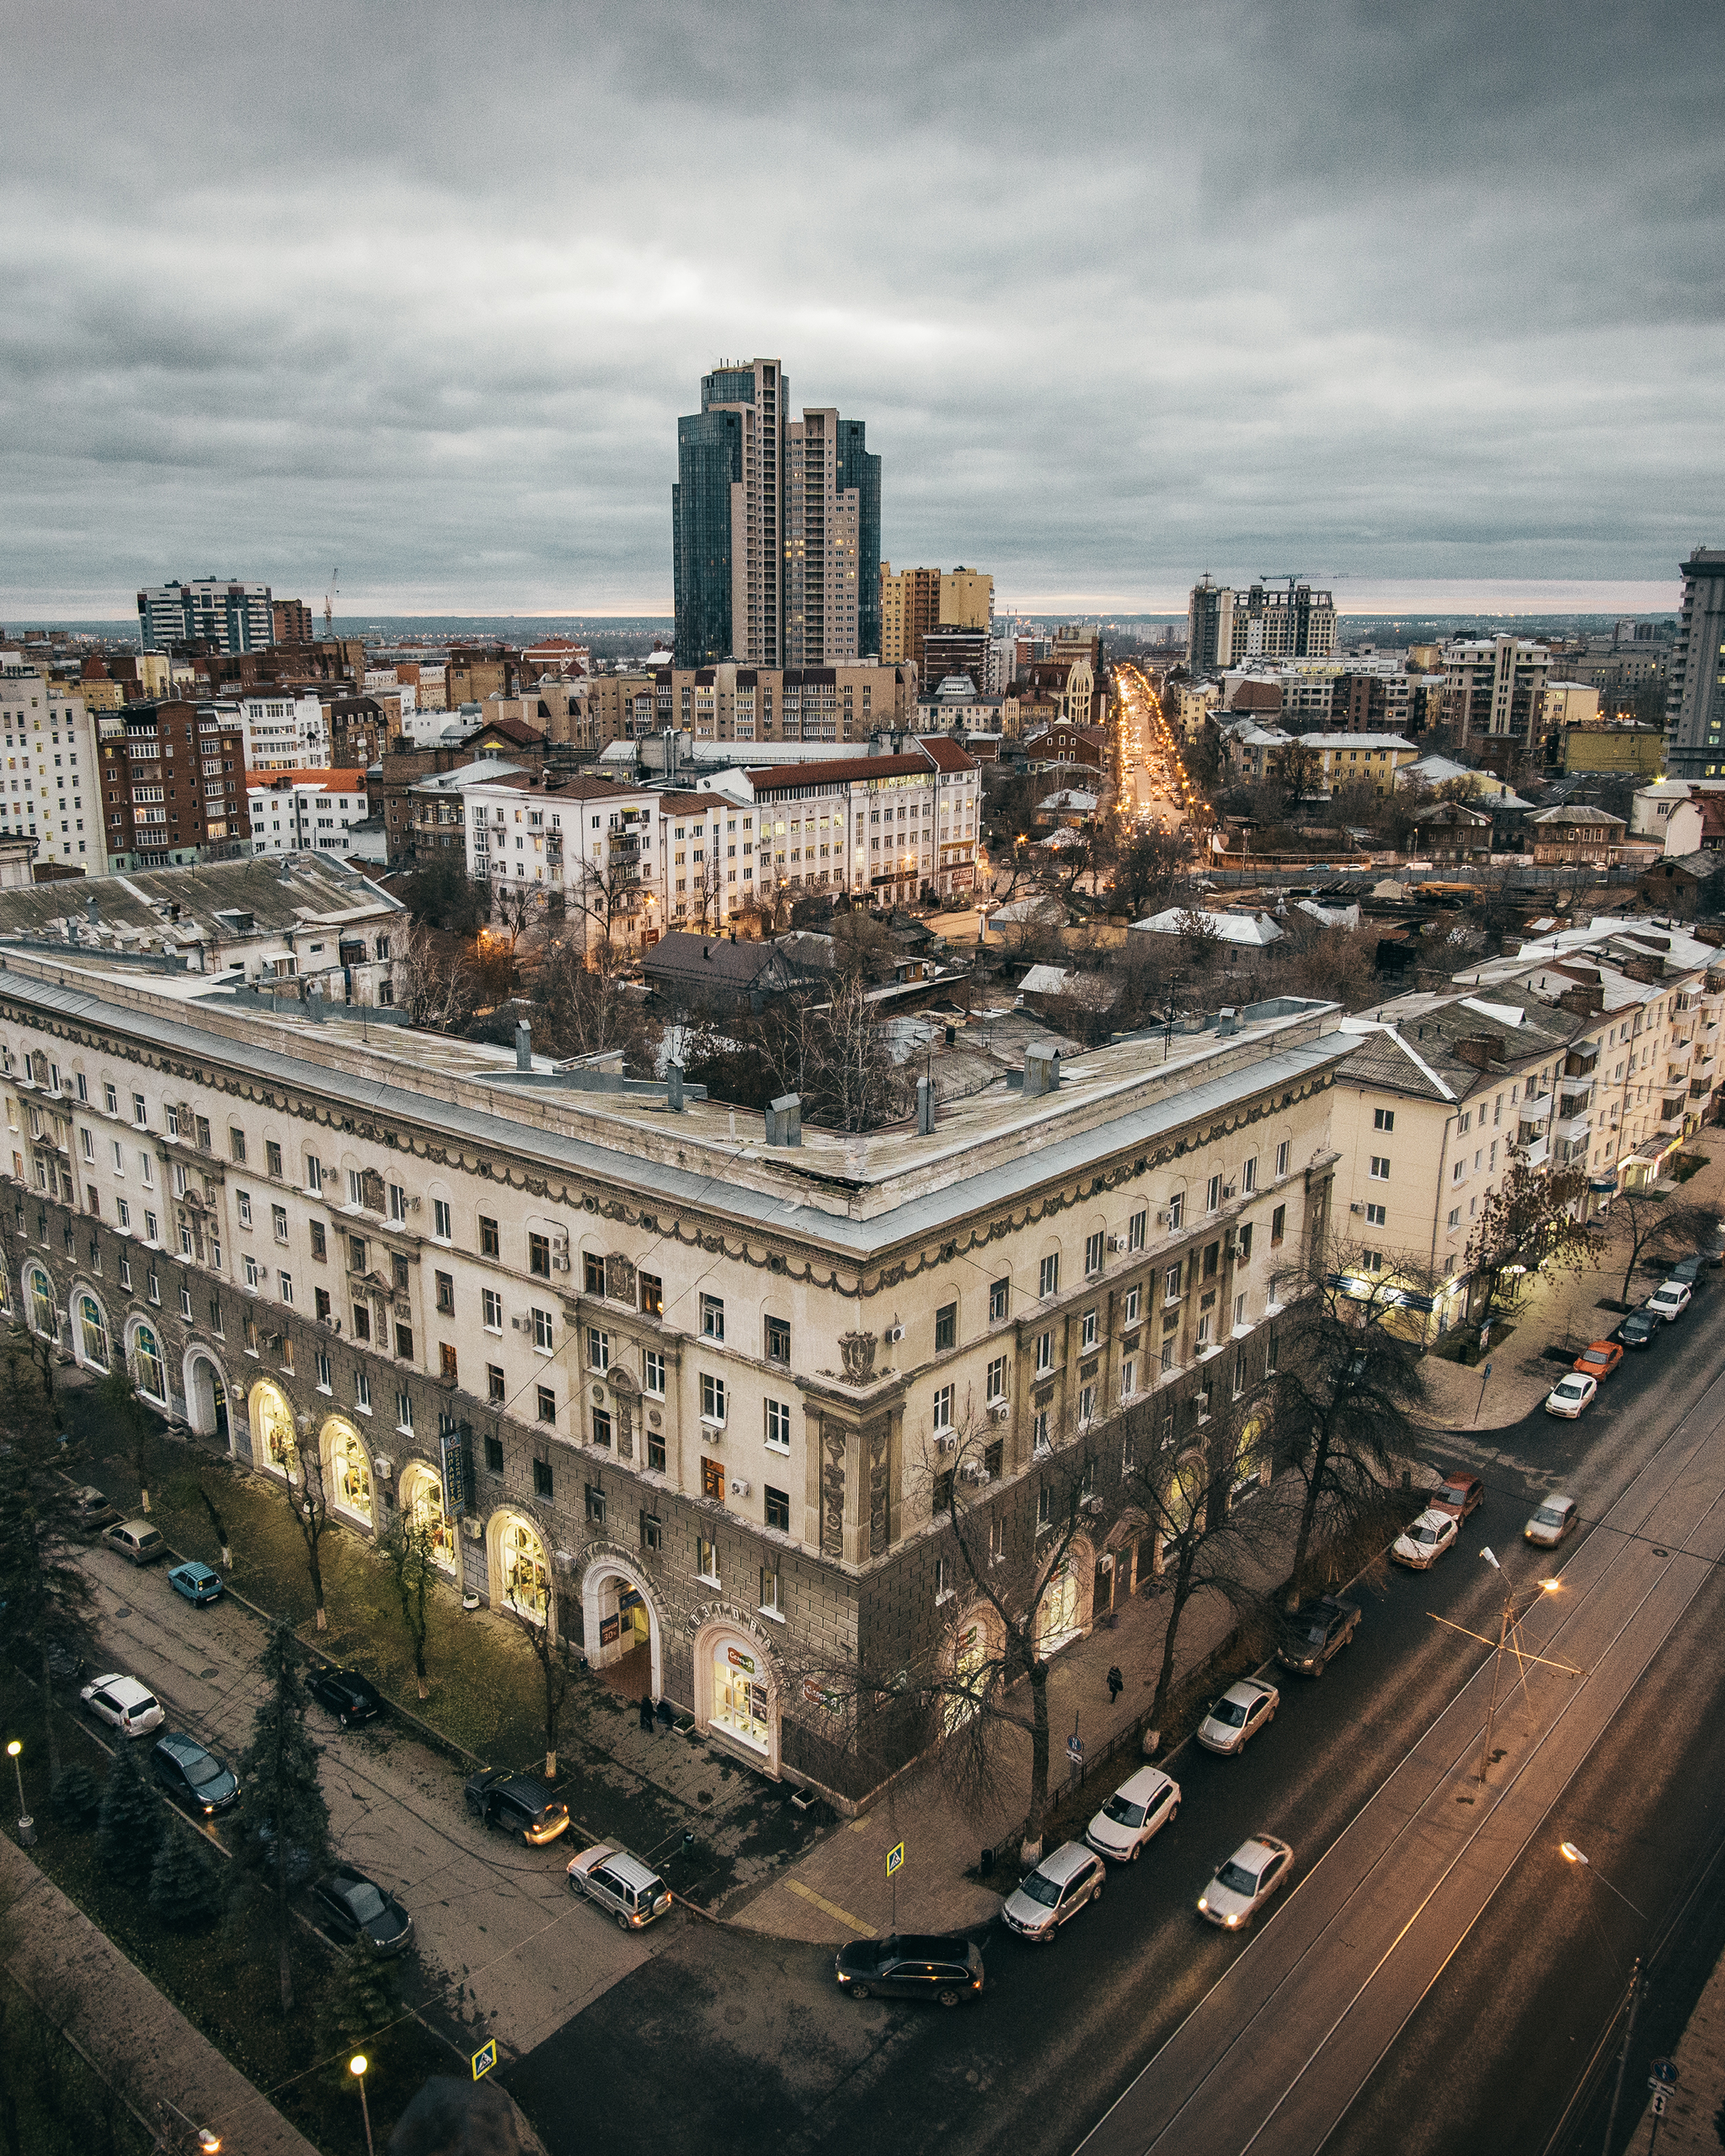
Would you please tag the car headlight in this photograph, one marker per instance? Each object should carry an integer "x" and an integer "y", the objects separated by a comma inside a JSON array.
[
  {"x": 1232, "y": 1919},
  {"x": 1203, "y": 1903}
]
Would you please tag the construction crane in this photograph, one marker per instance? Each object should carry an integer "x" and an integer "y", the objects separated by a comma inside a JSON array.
[{"x": 329, "y": 604}]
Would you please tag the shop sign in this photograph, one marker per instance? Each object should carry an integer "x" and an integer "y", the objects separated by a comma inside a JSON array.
[
  {"x": 630, "y": 1598},
  {"x": 820, "y": 1695},
  {"x": 739, "y": 1660},
  {"x": 609, "y": 1629}
]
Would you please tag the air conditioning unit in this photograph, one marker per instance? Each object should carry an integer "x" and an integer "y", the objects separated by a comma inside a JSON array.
[
  {"x": 413, "y": 1205},
  {"x": 565, "y": 1560},
  {"x": 1162, "y": 1218},
  {"x": 1091, "y": 1505},
  {"x": 473, "y": 1529},
  {"x": 1229, "y": 1189},
  {"x": 739, "y": 1488},
  {"x": 973, "y": 1471},
  {"x": 893, "y": 1335},
  {"x": 520, "y": 1324},
  {"x": 1105, "y": 1563},
  {"x": 1356, "y": 1208},
  {"x": 1117, "y": 1242},
  {"x": 385, "y": 1468},
  {"x": 1000, "y": 1410},
  {"x": 944, "y": 1445}
]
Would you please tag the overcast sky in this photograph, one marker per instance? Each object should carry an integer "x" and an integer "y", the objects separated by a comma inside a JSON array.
[{"x": 1385, "y": 295}]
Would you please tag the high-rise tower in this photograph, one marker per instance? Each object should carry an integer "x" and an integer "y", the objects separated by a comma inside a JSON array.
[
  {"x": 1694, "y": 698},
  {"x": 727, "y": 519}
]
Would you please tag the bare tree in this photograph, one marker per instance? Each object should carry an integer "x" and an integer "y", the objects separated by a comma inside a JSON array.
[
  {"x": 410, "y": 1550},
  {"x": 308, "y": 1502},
  {"x": 521, "y": 911},
  {"x": 1640, "y": 1220},
  {"x": 1532, "y": 1219},
  {"x": 434, "y": 983},
  {"x": 586, "y": 1006},
  {"x": 550, "y": 1649},
  {"x": 603, "y": 893}
]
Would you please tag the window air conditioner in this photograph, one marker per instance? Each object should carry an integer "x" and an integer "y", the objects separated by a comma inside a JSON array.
[
  {"x": 1162, "y": 1218},
  {"x": 1356, "y": 1208},
  {"x": 1229, "y": 1189},
  {"x": 999, "y": 1411},
  {"x": 520, "y": 1324},
  {"x": 893, "y": 1335},
  {"x": 944, "y": 1445},
  {"x": 472, "y": 1529},
  {"x": 385, "y": 1468},
  {"x": 1117, "y": 1242},
  {"x": 739, "y": 1488}
]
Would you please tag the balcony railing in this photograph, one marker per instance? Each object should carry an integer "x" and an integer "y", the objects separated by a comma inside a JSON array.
[
  {"x": 1538, "y": 1153},
  {"x": 1536, "y": 1108}
]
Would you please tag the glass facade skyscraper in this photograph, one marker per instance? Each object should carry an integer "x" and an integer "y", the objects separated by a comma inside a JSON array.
[
  {"x": 860, "y": 469},
  {"x": 709, "y": 464}
]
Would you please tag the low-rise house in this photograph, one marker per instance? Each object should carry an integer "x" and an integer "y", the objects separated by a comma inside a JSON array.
[
  {"x": 1251, "y": 931},
  {"x": 1573, "y": 837},
  {"x": 1452, "y": 831}
]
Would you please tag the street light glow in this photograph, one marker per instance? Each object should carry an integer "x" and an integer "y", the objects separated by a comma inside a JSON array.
[
  {"x": 358, "y": 2062},
  {"x": 14, "y": 1749},
  {"x": 1570, "y": 1854}
]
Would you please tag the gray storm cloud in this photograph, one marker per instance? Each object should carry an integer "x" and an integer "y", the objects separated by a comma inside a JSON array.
[{"x": 1120, "y": 293}]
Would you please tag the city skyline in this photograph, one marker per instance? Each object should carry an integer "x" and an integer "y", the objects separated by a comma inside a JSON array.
[{"x": 292, "y": 330}]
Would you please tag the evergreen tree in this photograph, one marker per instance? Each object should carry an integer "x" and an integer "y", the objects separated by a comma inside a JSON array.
[
  {"x": 184, "y": 1889},
  {"x": 361, "y": 2000},
  {"x": 129, "y": 1823},
  {"x": 44, "y": 1594},
  {"x": 76, "y": 1798},
  {"x": 279, "y": 1790}
]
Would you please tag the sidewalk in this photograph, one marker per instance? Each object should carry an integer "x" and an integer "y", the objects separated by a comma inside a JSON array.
[
  {"x": 1699, "y": 2091},
  {"x": 139, "y": 2042},
  {"x": 1560, "y": 1308}
]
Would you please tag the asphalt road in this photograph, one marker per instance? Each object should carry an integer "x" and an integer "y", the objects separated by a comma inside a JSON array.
[{"x": 734, "y": 2041}]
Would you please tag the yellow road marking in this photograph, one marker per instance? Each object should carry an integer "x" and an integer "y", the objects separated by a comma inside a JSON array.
[{"x": 831, "y": 1909}]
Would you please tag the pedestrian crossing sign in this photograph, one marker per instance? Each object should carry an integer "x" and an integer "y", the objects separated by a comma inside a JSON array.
[
  {"x": 485, "y": 2058},
  {"x": 894, "y": 1858}
]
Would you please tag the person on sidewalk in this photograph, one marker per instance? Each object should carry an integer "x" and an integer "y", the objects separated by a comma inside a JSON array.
[
  {"x": 647, "y": 1713},
  {"x": 1116, "y": 1684}
]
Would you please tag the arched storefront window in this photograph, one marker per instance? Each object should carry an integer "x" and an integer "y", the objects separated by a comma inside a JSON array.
[
  {"x": 93, "y": 1331},
  {"x": 150, "y": 1378},
  {"x": 42, "y": 1315},
  {"x": 1058, "y": 1614},
  {"x": 523, "y": 1573},
  {"x": 272, "y": 1428},
  {"x": 742, "y": 1702},
  {"x": 350, "y": 1469},
  {"x": 422, "y": 1494}
]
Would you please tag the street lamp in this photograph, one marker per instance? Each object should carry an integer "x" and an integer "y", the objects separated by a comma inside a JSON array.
[
  {"x": 1571, "y": 1855},
  {"x": 357, "y": 2066},
  {"x": 26, "y": 1825}
]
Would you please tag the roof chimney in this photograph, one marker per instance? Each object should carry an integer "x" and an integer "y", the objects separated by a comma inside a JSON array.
[
  {"x": 1480, "y": 1050},
  {"x": 523, "y": 1045}
]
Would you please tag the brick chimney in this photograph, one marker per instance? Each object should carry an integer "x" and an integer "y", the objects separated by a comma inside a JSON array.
[
  {"x": 1480, "y": 1050},
  {"x": 1583, "y": 999}
]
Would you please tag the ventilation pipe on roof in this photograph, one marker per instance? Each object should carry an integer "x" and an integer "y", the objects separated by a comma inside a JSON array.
[
  {"x": 925, "y": 1106},
  {"x": 784, "y": 1120},
  {"x": 523, "y": 1045},
  {"x": 674, "y": 1087}
]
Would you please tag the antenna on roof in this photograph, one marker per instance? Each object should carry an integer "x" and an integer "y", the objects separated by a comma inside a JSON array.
[{"x": 330, "y": 603}]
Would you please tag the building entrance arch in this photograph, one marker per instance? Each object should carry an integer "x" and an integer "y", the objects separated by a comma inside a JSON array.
[
  {"x": 620, "y": 1625},
  {"x": 422, "y": 1500},
  {"x": 1064, "y": 1609},
  {"x": 737, "y": 1692},
  {"x": 207, "y": 1396}
]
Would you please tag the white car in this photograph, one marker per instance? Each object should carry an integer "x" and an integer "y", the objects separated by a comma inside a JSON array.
[
  {"x": 1426, "y": 1540},
  {"x": 123, "y": 1704},
  {"x": 1556, "y": 1518},
  {"x": 1053, "y": 1894},
  {"x": 1246, "y": 1881},
  {"x": 1242, "y": 1711},
  {"x": 1570, "y": 1395},
  {"x": 1670, "y": 1302},
  {"x": 1140, "y": 1807}
]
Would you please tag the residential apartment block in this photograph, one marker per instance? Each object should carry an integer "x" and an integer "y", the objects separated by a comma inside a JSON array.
[
  {"x": 832, "y": 542},
  {"x": 1225, "y": 626},
  {"x": 1372, "y": 758},
  {"x": 913, "y": 602},
  {"x": 1494, "y": 688},
  {"x": 1695, "y": 694},
  {"x": 173, "y": 784},
  {"x": 50, "y": 792},
  {"x": 683, "y": 1402},
  {"x": 231, "y": 617},
  {"x": 305, "y": 811}
]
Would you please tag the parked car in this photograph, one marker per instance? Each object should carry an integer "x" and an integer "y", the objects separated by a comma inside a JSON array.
[
  {"x": 348, "y": 1903},
  {"x": 1599, "y": 1358},
  {"x": 517, "y": 1804},
  {"x": 350, "y": 1697},
  {"x": 123, "y": 1704},
  {"x": 195, "y": 1582},
  {"x": 1638, "y": 1328},
  {"x": 1426, "y": 1540},
  {"x": 1140, "y": 1808},
  {"x": 948, "y": 1969},
  {"x": 138, "y": 1541},
  {"x": 1688, "y": 1270},
  {"x": 1570, "y": 1395},
  {"x": 1052, "y": 1895},
  {"x": 1242, "y": 1884},
  {"x": 91, "y": 1509},
  {"x": 1237, "y": 1716},
  {"x": 1317, "y": 1629},
  {"x": 196, "y": 1777},
  {"x": 621, "y": 1884},
  {"x": 1460, "y": 1494},
  {"x": 1556, "y": 1518},
  {"x": 1669, "y": 1300}
]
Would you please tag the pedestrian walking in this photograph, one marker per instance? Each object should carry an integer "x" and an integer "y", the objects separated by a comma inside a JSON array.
[
  {"x": 646, "y": 1712},
  {"x": 1116, "y": 1684}
]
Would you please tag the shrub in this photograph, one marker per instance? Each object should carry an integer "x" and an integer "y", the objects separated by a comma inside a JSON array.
[
  {"x": 129, "y": 1824},
  {"x": 184, "y": 1890},
  {"x": 76, "y": 1799}
]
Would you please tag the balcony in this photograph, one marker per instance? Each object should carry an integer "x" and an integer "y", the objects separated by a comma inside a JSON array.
[
  {"x": 1568, "y": 1129},
  {"x": 1535, "y": 1110},
  {"x": 1538, "y": 1153},
  {"x": 1574, "y": 1099}
]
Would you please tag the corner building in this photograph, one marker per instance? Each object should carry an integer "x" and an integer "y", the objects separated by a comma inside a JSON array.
[{"x": 676, "y": 1391}]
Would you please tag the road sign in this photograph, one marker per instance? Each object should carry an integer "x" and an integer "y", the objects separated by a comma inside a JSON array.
[
  {"x": 1663, "y": 2070},
  {"x": 1661, "y": 2097},
  {"x": 1075, "y": 1750},
  {"x": 485, "y": 2058},
  {"x": 894, "y": 1858}
]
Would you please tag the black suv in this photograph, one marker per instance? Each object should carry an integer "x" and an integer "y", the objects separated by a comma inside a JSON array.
[
  {"x": 948, "y": 1969},
  {"x": 196, "y": 1777},
  {"x": 1638, "y": 1328},
  {"x": 1315, "y": 1631},
  {"x": 350, "y": 1697},
  {"x": 516, "y": 1803}
]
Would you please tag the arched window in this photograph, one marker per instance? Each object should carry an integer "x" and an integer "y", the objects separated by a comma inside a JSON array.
[
  {"x": 42, "y": 1315},
  {"x": 150, "y": 1378},
  {"x": 526, "y": 1575},
  {"x": 422, "y": 1492},
  {"x": 93, "y": 1331},
  {"x": 272, "y": 1428},
  {"x": 350, "y": 1470}
]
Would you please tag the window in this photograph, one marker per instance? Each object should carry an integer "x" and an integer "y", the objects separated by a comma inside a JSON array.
[
  {"x": 404, "y": 1413},
  {"x": 1128, "y": 1382},
  {"x": 1048, "y": 1279},
  {"x": 242, "y": 1203},
  {"x": 706, "y": 1552},
  {"x": 1086, "y": 1403},
  {"x": 712, "y": 1318},
  {"x": 598, "y": 1349},
  {"x": 446, "y": 1363},
  {"x": 355, "y": 1186},
  {"x": 655, "y": 1450},
  {"x": 770, "y": 1604},
  {"x": 111, "y": 1100},
  {"x": 323, "y": 1373},
  {"x": 546, "y": 1401},
  {"x": 272, "y": 1157},
  {"x": 440, "y": 1219},
  {"x": 778, "y": 1509},
  {"x": 1171, "y": 1284},
  {"x": 251, "y": 1270},
  {"x": 1279, "y": 1222},
  {"x": 652, "y": 1289},
  {"x": 1044, "y": 1352},
  {"x": 320, "y": 1243},
  {"x": 1269, "y": 1353},
  {"x": 362, "y": 1318},
  {"x": 542, "y": 1331},
  {"x": 1095, "y": 1251},
  {"x": 1177, "y": 1208},
  {"x": 355, "y": 1252},
  {"x": 287, "y": 1280},
  {"x": 496, "y": 1390},
  {"x": 492, "y": 1303},
  {"x": 320, "y": 1298},
  {"x": 946, "y": 1326},
  {"x": 653, "y": 1372},
  {"x": 489, "y": 1245},
  {"x": 712, "y": 1398},
  {"x": 593, "y": 1273},
  {"x": 1372, "y": 1261},
  {"x": 1137, "y": 1228},
  {"x": 1213, "y": 1194},
  {"x": 1282, "y": 1159},
  {"x": 1248, "y": 1174},
  {"x": 1379, "y": 1169},
  {"x": 943, "y": 1408},
  {"x": 445, "y": 1292},
  {"x": 141, "y": 1116},
  {"x": 995, "y": 1385},
  {"x": 236, "y": 1139},
  {"x": 1167, "y": 1357},
  {"x": 1376, "y": 1215},
  {"x": 1045, "y": 1506},
  {"x": 1132, "y": 1304},
  {"x": 778, "y": 1341},
  {"x": 1383, "y": 1118},
  {"x": 494, "y": 1455},
  {"x": 397, "y": 1202},
  {"x": 278, "y": 1221},
  {"x": 542, "y": 1481},
  {"x": 652, "y": 1533},
  {"x": 1086, "y": 1329},
  {"x": 1455, "y": 1219},
  {"x": 539, "y": 1256},
  {"x": 712, "y": 1479},
  {"x": 404, "y": 1343},
  {"x": 778, "y": 1425},
  {"x": 999, "y": 1296}
]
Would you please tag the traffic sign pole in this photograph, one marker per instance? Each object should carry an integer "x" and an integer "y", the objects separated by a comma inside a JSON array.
[{"x": 895, "y": 1860}]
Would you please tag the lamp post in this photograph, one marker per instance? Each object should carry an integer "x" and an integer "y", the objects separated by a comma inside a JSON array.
[
  {"x": 1571, "y": 1855},
  {"x": 357, "y": 2066},
  {"x": 26, "y": 1825}
]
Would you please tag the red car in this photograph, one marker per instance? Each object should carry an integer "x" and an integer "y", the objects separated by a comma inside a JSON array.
[
  {"x": 1599, "y": 1358},
  {"x": 1461, "y": 1495}
]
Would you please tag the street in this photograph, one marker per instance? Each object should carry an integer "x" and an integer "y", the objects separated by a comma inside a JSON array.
[{"x": 1153, "y": 785}]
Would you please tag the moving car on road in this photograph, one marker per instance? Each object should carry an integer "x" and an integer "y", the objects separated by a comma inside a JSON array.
[
  {"x": 1556, "y": 1518},
  {"x": 1570, "y": 1395},
  {"x": 518, "y": 1804},
  {"x": 350, "y": 1697},
  {"x": 1460, "y": 1494},
  {"x": 1669, "y": 1301},
  {"x": 1426, "y": 1540},
  {"x": 1317, "y": 1630},
  {"x": 621, "y": 1884},
  {"x": 1638, "y": 1328},
  {"x": 123, "y": 1704},
  {"x": 948, "y": 1969},
  {"x": 1246, "y": 1881},
  {"x": 195, "y": 1582},
  {"x": 1242, "y": 1711},
  {"x": 1140, "y": 1808},
  {"x": 1599, "y": 1358},
  {"x": 138, "y": 1541},
  {"x": 1053, "y": 1894},
  {"x": 348, "y": 1903},
  {"x": 196, "y": 1778}
]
